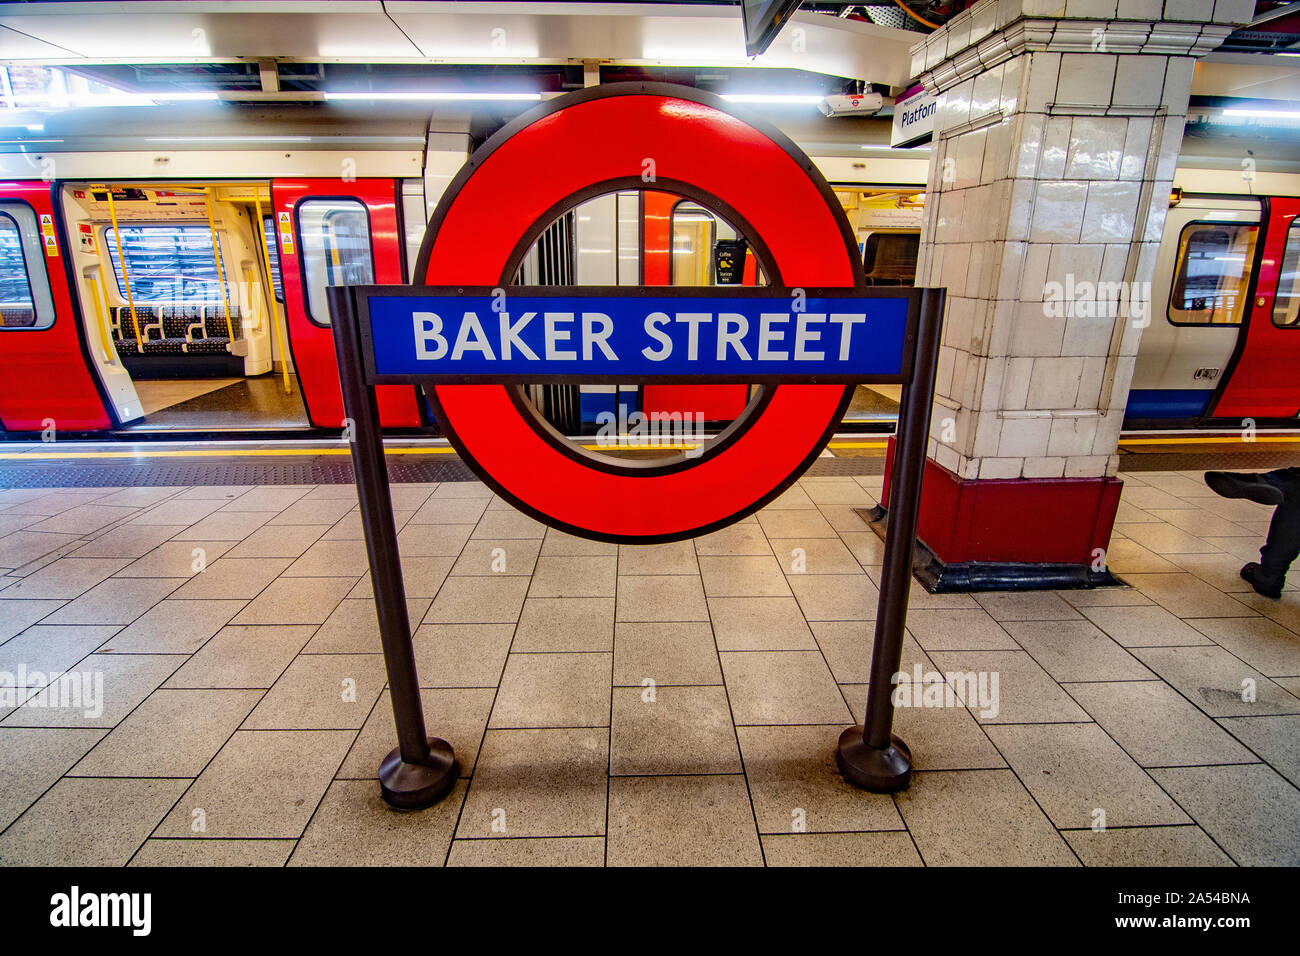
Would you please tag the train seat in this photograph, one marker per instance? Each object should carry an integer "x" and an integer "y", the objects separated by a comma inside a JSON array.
[{"x": 177, "y": 341}]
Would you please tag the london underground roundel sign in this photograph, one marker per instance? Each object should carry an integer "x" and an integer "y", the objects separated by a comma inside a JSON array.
[{"x": 471, "y": 339}]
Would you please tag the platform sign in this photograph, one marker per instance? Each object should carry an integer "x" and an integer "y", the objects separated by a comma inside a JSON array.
[
  {"x": 469, "y": 345},
  {"x": 620, "y": 335}
]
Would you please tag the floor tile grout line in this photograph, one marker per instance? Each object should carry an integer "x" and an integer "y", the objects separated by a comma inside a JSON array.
[
  {"x": 731, "y": 708},
  {"x": 487, "y": 721},
  {"x": 1173, "y": 799},
  {"x": 613, "y": 652}
]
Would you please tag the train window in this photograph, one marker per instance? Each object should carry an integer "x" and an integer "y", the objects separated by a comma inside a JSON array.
[
  {"x": 273, "y": 254},
  {"x": 166, "y": 263},
  {"x": 335, "y": 249},
  {"x": 1286, "y": 307},
  {"x": 25, "y": 301},
  {"x": 1213, "y": 273}
]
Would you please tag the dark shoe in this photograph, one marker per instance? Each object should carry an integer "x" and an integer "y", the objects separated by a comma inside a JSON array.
[
  {"x": 1256, "y": 488},
  {"x": 1253, "y": 573}
]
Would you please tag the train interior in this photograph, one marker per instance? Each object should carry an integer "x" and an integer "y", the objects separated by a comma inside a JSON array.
[
  {"x": 180, "y": 294},
  {"x": 659, "y": 238}
]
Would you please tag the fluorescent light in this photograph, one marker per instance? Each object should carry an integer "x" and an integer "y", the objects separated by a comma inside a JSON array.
[
  {"x": 229, "y": 139},
  {"x": 417, "y": 96},
  {"x": 1264, "y": 114},
  {"x": 78, "y": 100},
  {"x": 774, "y": 99},
  {"x": 1284, "y": 53}
]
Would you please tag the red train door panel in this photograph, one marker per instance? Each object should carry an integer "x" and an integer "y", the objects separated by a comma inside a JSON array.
[
  {"x": 1263, "y": 382},
  {"x": 46, "y": 377},
  {"x": 323, "y": 227},
  {"x": 715, "y": 402}
]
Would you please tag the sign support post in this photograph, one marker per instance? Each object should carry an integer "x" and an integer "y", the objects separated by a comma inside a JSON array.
[
  {"x": 871, "y": 756},
  {"x": 422, "y": 769}
]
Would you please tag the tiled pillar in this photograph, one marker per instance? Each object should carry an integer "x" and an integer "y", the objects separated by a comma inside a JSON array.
[{"x": 1056, "y": 135}]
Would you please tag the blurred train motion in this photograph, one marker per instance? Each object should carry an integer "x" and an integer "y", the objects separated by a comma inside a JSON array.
[{"x": 185, "y": 294}]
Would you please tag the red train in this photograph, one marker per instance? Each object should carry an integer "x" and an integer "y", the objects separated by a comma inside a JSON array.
[{"x": 188, "y": 307}]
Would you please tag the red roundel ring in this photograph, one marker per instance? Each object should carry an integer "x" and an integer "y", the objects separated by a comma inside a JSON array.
[{"x": 596, "y": 141}]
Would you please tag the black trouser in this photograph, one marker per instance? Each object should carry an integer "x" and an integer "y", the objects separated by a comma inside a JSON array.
[{"x": 1283, "y": 543}]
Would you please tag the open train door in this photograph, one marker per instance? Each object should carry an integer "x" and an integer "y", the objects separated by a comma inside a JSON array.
[
  {"x": 336, "y": 232},
  {"x": 1262, "y": 380},
  {"x": 714, "y": 403},
  {"x": 47, "y": 385}
]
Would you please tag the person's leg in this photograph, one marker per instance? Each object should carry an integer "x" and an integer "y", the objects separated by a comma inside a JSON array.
[
  {"x": 1262, "y": 489},
  {"x": 1280, "y": 549},
  {"x": 1280, "y": 488}
]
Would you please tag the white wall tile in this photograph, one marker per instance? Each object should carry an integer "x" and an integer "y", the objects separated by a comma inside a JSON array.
[
  {"x": 1234, "y": 11},
  {"x": 1086, "y": 466},
  {"x": 986, "y": 94},
  {"x": 1043, "y": 8},
  {"x": 1071, "y": 265},
  {"x": 1058, "y": 211},
  {"x": 1096, "y": 147},
  {"x": 947, "y": 457},
  {"x": 1015, "y": 390},
  {"x": 1010, "y": 269},
  {"x": 1139, "y": 80},
  {"x": 1036, "y": 333},
  {"x": 1033, "y": 280},
  {"x": 1072, "y": 435},
  {"x": 1195, "y": 11},
  {"x": 1054, "y": 383},
  {"x": 1043, "y": 73},
  {"x": 1178, "y": 83},
  {"x": 1056, "y": 145},
  {"x": 1013, "y": 81},
  {"x": 992, "y": 468},
  {"x": 1091, "y": 9},
  {"x": 1086, "y": 79},
  {"x": 1139, "y": 9},
  {"x": 969, "y": 155},
  {"x": 1022, "y": 437},
  {"x": 983, "y": 20},
  {"x": 1088, "y": 335},
  {"x": 1090, "y": 381},
  {"x": 1137, "y": 144},
  {"x": 1111, "y": 212},
  {"x": 1037, "y": 467}
]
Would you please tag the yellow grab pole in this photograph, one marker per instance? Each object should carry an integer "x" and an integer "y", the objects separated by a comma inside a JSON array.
[
  {"x": 275, "y": 312},
  {"x": 126, "y": 276},
  {"x": 216, "y": 254},
  {"x": 101, "y": 309}
]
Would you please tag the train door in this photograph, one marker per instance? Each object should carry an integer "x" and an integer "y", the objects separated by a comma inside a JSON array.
[
  {"x": 176, "y": 287},
  {"x": 336, "y": 232},
  {"x": 1262, "y": 381},
  {"x": 887, "y": 224},
  {"x": 680, "y": 242},
  {"x": 46, "y": 385},
  {"x": 1197, "y": 302}
]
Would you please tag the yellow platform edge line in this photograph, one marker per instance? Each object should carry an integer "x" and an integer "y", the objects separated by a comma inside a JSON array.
[
  {"x": 212, "y": 453},
  {"x": 1206, "y": 440},
  {"x": 446, "y": 450}
]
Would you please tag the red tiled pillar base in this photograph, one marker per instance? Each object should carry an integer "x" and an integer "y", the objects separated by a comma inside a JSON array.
[{"x": 1016, "y": 521}]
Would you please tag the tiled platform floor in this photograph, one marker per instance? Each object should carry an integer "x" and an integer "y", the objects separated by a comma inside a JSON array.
[{"x": 670, "y": 704}]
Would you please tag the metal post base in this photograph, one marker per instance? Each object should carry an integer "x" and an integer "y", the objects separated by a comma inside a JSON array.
[
  {"x": 869, "y": 768},
  {"x": 412, "y": 786}
]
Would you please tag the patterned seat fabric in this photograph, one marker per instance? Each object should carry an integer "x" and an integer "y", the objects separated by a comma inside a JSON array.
[{"x": 174, "y": 330}]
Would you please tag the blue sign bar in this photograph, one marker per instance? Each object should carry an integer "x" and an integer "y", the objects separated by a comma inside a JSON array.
[{"x": 602, "y": 335}]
